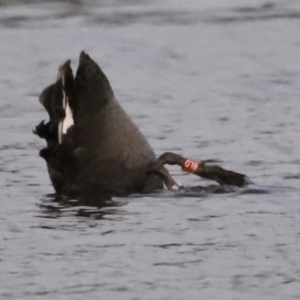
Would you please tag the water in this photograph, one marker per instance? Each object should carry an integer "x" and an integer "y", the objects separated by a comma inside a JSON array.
[{"x": 208, "y": 80}]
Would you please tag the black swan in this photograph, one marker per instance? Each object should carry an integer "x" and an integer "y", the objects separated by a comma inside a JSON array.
[{"x": 93, "y": 147}]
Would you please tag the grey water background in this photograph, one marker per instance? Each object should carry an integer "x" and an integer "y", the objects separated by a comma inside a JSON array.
[{"x": 207, "y": 79}]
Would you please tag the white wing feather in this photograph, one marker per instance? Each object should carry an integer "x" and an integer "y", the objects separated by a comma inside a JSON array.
[{"x": 68, "y": 120}]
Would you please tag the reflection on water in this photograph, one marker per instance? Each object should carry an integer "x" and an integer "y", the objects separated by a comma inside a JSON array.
[
  {"x": 205, "y": 79},
  {"x": 56, "y": 207},
  {"x": 51, "y": 207}
]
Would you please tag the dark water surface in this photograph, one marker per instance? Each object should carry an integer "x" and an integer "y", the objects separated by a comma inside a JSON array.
[{"x": 214, "y": 80}]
